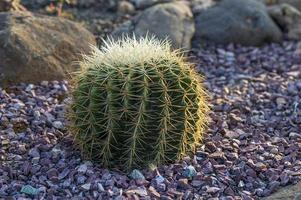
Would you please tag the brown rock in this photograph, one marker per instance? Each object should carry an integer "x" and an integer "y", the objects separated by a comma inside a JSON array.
[
  {"x": 153, "y": 192},
  {"x": 231, "y": 134},
  {"x": 9, "y": 5},
  {"x": 210, "y": 146},
  {"x": 36, "y": 47},
  {"x": 261, "y": 166},
  {"x": 183, "y": 182},
  {"x": 125, "y": 7},
  {"x": 217, "y": 155}
]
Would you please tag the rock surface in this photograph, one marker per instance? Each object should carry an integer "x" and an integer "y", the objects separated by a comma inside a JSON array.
[
  {"x": 142, "y": 4},
  {"x": 234, "y": 21},
  {"x": 172, "y": 20},
  {"x": 9, "y": 5},
  {"x": 288, "y": 193},
  {"x": 125, "y": 7},
  {"x": 200, "y": 5},
  {"x": 36, "y": 47},
  {"x": 294, "y": 3},
  {"x": 288, "y": 18}
]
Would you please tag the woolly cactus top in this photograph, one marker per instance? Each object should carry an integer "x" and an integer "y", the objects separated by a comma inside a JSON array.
[{"x": 127, "y": 51}]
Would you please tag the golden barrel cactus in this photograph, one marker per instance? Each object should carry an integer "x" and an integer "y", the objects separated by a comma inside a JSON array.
[{"x": 135, "y": 103}]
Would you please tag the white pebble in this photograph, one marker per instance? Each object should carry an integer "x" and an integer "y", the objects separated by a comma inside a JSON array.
[{"x": 58, "y": 124}]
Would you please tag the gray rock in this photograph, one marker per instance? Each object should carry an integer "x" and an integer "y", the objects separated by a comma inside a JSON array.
[
  {"x": 137, "y": 175},
  {"x": 64, "y": 173},
  {"x": 161, "y": 187},
  {"x": 58, "y": 125},
  {"x": 159, "y": 179},
  {"x": 82, "y": 168},
  {"x": 235, "y": 21},
  {"x": 28, "y": 189},
  {"x": 298, "y": 196},
  {"x": 142, "y": 4},
  {"x": 81, "y": 179},
  {"x": 212, "y": 190},
  {"x": 288, "y": 18},
  {"x": 29, "y": 87},
  {"x": 66, "y": 183},
  {"x": 49, "y": 116},
  {"x": 36, "y": 114},
  {"x": 36, "y": 47},
  {"x": 34, "y": 152},
  {"x": 288, "y": 193},
  {"x": 100, "y": 187},
  {"x": 200, "y": 5},
  {"x": 189, "y": 172},
  {"x": 294, "y": 135},
  {"x": 197, "y": 183},
  {"x": 86, "y": 186},
  {"x": 294, "y": 3},
  {"x": 170, "y": 20}
]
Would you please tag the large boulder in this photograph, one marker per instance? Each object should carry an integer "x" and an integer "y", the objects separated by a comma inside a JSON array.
[
  {"x": 169, "y": 20},
  {"x": 36, "y": 47},
  {"x": 288, "y": 18},
  {"x": 234, "y": 21}
]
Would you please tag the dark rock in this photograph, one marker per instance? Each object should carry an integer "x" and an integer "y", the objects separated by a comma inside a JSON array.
[
  {"x": 243, "y": 22},
  {"x": 52, "y": 174},
  {"x": 289, "y": 19}
]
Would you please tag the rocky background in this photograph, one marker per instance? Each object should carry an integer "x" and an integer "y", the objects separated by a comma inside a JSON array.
[{"x": 248, "y": 50}]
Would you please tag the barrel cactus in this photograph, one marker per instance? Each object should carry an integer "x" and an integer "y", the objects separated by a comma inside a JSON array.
[{"x": 135, "y": 103}]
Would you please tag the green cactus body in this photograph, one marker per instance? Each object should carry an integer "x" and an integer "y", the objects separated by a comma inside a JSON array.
[{"x": 137, "y": 103}]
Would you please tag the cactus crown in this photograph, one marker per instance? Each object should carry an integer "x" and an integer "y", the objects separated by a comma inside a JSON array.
[{"x": 136, "y": 102}]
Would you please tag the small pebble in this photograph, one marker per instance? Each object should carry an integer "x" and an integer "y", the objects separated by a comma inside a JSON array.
[{"x": 136, "y": 175}]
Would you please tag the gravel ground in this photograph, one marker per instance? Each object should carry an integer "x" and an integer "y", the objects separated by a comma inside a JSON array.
[{"x": 252, "y": 148}]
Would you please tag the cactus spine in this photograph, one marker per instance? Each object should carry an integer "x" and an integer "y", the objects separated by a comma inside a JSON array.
[{"x": 136, "y": 102}]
